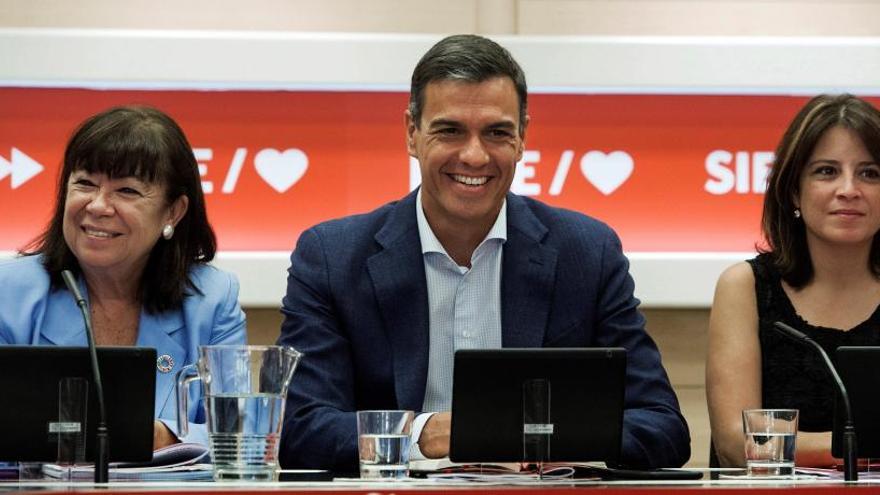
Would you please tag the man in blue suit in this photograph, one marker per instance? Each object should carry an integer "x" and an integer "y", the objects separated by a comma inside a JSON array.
[{"x": 379, "y": 302}]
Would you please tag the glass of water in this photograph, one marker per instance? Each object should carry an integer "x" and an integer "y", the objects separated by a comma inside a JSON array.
[
  {"x": 383, "y": 443},
  {"x": 770, "y": 436}
]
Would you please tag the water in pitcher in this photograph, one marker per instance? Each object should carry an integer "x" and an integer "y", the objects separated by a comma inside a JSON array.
[{"x": 244, "y": 435}]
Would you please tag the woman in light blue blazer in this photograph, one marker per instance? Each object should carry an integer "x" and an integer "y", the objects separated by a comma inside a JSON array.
[{"x": 130, "y": 222}]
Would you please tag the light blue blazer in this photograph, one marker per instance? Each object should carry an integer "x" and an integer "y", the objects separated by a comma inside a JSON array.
[{"x": 33, "y": 313}]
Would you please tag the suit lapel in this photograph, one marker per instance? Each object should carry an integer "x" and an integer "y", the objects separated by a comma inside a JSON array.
[
  {"x": 398, "y": 276},
  {"x": 63, "y": 324},
  {"x": 527, "y": 277},
  {"x": 160, "y": 331}
]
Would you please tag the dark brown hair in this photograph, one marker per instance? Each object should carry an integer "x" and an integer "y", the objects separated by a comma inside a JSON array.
[
  {"x": 469, "y": 58},
  {"x": 785, "y": 234},
  {"x": 145, "y": 143}
]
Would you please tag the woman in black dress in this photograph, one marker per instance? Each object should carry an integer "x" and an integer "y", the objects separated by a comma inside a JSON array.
[{"x": 819, "y": 273}]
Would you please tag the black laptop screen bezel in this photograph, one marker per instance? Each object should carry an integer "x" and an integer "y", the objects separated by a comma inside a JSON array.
[
  {"x": 29, "y": 379},
  {"x": 586, "y": 405}
]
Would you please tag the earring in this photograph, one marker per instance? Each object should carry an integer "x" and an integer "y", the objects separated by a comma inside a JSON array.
[
  {"x": 797, "y": 213},
  {"x": 168, "y": 231}
]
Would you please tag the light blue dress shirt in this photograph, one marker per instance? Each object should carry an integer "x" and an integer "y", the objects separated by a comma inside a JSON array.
[
  {"x": 464, "y": 309},
  {"x": 464, "y": 303}
]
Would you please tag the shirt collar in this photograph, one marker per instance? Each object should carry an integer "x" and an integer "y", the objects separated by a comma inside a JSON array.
[{"x": 430, "y": 243}]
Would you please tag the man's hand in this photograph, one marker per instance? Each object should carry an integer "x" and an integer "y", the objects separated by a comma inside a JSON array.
[
  {"x": 162, "y": 436},
  {"x": 434, "y": 442}
]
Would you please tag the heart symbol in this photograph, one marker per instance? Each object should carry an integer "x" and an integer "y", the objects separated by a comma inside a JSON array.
[
  {"x": 607, "y": 172},
  {"x": 281, "y": 169}
]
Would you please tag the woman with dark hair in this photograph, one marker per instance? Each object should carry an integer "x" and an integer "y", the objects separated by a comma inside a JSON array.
[
  {"x": 130, "y": 223},
  {"x": 820, "y": 274}
]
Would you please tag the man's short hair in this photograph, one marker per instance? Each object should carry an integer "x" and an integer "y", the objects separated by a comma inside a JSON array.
[{"x": 469, "y": 58}]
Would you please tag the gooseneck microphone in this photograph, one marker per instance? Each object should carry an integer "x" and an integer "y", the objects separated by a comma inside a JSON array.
[
  {"x": 850, "y": 464},
  {"x": 101, "y": 435}
]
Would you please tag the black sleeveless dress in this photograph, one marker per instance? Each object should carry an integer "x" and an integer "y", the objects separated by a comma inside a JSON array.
[{"x": 792, "y": 375}]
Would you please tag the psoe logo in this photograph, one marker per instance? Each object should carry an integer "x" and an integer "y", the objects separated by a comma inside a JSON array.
[
  {"x": 20, "y": 167},
  {"x": 279, "y": 169}
]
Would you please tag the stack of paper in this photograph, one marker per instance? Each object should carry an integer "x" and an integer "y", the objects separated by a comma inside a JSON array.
[{"x": 177, "y": 462}]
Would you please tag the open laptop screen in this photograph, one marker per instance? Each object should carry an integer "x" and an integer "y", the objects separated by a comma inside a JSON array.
[
  {"x": 583, "y": 416},
  {"x": 859, "y": 368},
  {"x": 31, "y": 378}
]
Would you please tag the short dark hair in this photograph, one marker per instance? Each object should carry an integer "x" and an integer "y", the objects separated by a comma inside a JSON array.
[
  {"x": 785, "y": 235},
  {"x": 469, "y": 58},
  {"x": 145, "y": 143}
]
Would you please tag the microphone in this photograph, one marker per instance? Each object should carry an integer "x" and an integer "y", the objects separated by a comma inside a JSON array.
[
  {"x": 850, "y": 461},
  {"x": 102, "y": 439}
]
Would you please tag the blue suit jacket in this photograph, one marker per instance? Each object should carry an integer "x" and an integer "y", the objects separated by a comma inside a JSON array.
[
  {"x": 357, "y": 307},
  {"x": 33, "y": 313}
]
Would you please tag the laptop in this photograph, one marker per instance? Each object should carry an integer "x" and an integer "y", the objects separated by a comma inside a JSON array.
[
  {"x": 859, "y": 368},
  {"x": 571, "y": 401},
  {"x": 31, "y": 423}
]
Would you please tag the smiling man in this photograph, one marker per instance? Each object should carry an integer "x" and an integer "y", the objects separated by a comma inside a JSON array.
[{"x": 378, "y": 303}]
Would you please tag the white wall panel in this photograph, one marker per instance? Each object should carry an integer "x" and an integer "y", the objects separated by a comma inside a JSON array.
[
  {"x": 699, "y": 17},
  {"x": 392, "y": 16}
]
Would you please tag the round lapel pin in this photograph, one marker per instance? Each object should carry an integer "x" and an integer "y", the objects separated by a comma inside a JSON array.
[{"x": 165, "y": 363}]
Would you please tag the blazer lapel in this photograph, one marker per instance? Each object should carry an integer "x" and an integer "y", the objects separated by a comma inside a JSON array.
[
  {"x": 63, "y": 326},
  {"x": 398, "y": 276},
  {"x": 527, "y": 278},
  {"x": 63, "y": 323},
  {"x": 159, "y": 332}
]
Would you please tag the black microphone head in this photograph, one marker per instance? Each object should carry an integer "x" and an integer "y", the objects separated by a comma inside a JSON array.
[{"x": 789, "y": 331}]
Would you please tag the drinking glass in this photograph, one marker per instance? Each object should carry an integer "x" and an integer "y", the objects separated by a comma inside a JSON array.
[
  {"x": 770, "y": 438},
  {"x": 383, "y": 443}
]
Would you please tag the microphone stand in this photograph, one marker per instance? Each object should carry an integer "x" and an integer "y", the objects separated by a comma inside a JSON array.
[
  {"x": 850, "y": 461},
  {"x": 102, "y": 439}
]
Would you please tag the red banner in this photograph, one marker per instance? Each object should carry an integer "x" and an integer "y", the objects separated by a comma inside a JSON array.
[{"x": 668, "y": 172}]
